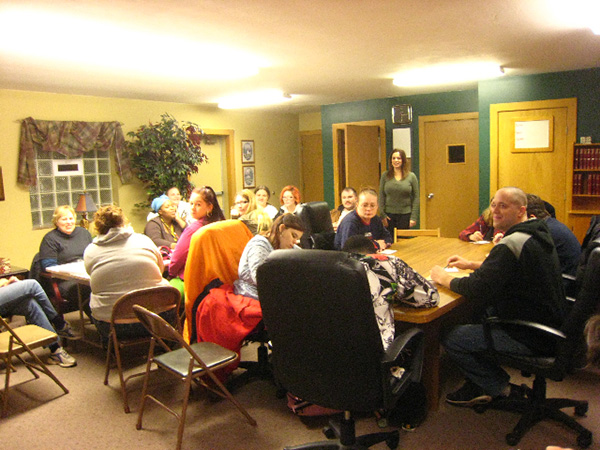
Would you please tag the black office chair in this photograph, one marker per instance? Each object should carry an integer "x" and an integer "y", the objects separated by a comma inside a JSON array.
[
  {"x": 318, "y": 228},
  {"x": 564, "y": 346},
  {"x": 326, "y": 344}
]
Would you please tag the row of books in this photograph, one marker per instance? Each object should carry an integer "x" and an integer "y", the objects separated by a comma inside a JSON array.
[
  {"x": 586, "y": 184},
  {"x": 586, "y": 158}
]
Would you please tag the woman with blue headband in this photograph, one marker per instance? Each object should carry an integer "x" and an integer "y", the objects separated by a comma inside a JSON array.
[{"x": 164, "y": 230}]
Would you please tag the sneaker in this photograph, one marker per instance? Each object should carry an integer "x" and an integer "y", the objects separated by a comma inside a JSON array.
[
  {"x": 468, "y": 395},
  {"x": 66, "y": 331},
  {"x": 62, "y": 358}
]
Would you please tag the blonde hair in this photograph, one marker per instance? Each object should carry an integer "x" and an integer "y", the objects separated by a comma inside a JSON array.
[{"x": 60, "y": 211}]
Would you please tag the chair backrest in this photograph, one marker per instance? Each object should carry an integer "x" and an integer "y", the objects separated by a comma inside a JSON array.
[
  {"x": 158, "y": 299},
  {"x": 318, "y": 228},
  {"x": 317, "y": 309},
  {"x": 215, "y": 252},
  {"x": 412, "y": 232},
  {"x": 586, "y": 304}
]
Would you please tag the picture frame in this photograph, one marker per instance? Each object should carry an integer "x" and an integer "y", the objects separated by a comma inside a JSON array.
[
  {"x": 249, "y": 177},
  {"x": 247, "y": 152}
]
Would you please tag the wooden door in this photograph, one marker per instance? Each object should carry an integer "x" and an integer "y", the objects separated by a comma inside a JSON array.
[
  {"x": 449, "y": 171},
  {"x": 540, "y": 170},
  {"x": 362, "y": 156},
  {"x": 311, "y": 154},
  {"x": 359, "y": 153}
]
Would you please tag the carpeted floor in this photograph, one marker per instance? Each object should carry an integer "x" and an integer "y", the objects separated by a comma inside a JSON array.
[{"x": 91, "y": 416}]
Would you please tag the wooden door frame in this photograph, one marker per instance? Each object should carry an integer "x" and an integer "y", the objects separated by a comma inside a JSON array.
[
  {"x": 423, "y": 120},
  {"x": 382, "y": 149},
  {"x": 496, "y": 109},
  {"x": 229, "y": 160}
]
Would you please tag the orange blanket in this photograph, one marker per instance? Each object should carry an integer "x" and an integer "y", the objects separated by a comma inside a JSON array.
[
  {"x": 226, "y": 318},
  {"x": 215, "y": 252}
]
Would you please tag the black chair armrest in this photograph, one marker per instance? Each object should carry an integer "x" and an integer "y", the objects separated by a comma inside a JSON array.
[{"x": 520, "y": 327}]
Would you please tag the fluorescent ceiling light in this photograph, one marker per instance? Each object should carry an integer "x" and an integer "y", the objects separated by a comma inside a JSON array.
[
  {"x": 448, "y": 74},
  {"x": 256, "y": 98},
  {"x": 575, "y": 13},
  {"x": 43, "y": 36}
]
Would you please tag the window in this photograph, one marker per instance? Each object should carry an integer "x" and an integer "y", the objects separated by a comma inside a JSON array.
[{"x": 60, "y": 184}]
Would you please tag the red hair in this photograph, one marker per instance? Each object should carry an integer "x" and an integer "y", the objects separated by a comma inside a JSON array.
[{"x": 295, "y": 192}]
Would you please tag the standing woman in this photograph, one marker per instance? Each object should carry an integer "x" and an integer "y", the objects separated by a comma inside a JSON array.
[
  {"x": 65, "y": 244},
  {"x": 290, "y": 200},
  {"x": 205, "y": 209},
  {"x": 399, "y": 194},
  {"x": 263, "y": 194},
  {"x": 164, "y": 230}
]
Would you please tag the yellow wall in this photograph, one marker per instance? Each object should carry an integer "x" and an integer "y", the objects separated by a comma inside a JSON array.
[
  {"x": 275, "y": 138},
  {"x": 310, "y": 121}
]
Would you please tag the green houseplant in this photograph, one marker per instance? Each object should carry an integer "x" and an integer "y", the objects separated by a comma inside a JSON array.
[{"x": 165, "y": 154}]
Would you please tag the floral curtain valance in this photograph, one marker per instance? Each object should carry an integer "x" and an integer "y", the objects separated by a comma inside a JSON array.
[{"x": 71, "y": 139}]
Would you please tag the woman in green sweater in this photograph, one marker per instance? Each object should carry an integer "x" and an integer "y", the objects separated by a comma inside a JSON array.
[{"x": 399, "y": 194}]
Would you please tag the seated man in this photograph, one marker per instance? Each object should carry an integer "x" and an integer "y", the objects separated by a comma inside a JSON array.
[
  {"x": 27, "y": 298},
  {"x": 365, "y": 221},
  {"x": 567, "y": 245},
  {"x": 520, "y": 279},
  {"x": 349, "y": 199},
  {"x": 389, "y": 278}
]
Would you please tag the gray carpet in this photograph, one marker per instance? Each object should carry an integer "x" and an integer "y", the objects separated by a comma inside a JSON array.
[{"x": 91, "y": 416}]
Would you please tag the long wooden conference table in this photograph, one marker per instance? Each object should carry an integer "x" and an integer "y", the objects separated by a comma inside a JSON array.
[{"x": 422, "y": 253}]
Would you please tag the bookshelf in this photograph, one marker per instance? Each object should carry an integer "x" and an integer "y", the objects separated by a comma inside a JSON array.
[{"x": 585, "y": 187}]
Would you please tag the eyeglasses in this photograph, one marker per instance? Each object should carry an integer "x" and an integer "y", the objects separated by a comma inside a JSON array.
[{"x": 241, "y": 202}]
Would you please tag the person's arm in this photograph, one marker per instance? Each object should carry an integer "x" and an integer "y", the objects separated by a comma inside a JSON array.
[
  {"x": 414, "y": 200},
  {"x": 154, "y": 230},
  {"x": 48, "y": 252},
  {"x": 180, "y": 253},
  {"x": 345, "y": 229},
  {"x": 256, "y": 256},
  {"x": 475, "y": 227}
]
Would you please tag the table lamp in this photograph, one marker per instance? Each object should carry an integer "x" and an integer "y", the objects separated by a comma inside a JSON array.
[{"x": 85, "y": 205}]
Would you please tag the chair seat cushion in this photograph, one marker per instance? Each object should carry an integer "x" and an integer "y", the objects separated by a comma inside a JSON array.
[
  {"x": 32, "y": 335},
  {"x": 178, "y": 360}
]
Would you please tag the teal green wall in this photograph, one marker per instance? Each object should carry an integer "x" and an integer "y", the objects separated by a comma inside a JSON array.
[
  {"x": 441, "y": 103},
  {"x": 582, "y": 84}
]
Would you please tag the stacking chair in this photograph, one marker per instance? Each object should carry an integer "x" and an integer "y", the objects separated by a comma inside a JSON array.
[
  {"x": 318, "y": 229},
  {"x": 327, "y": 348},
  {"x": 190, "y": 362},
  {"x": 13, "y": 343},
  {"x": 415, "y": 232},
  {"x": 159, "y": 299},
  {"x": 560, "y": 360}
]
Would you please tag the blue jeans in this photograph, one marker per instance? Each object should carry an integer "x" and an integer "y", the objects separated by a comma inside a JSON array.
[
  {"x": 467, "y": 347},
  {"x": 27, "y": 298}
]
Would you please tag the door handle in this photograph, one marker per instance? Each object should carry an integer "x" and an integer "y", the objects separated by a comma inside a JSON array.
[{"x": 430, "y": 195}]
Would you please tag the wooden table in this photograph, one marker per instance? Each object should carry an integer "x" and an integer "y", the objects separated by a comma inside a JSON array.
[
  {"x": 422, "y": 253},
  {"x": 20, "y": 272},
  {"x": 75, "y": 271}
]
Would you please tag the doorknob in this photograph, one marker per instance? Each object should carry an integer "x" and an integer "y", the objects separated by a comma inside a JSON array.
[{"x": 430, "y": 195}]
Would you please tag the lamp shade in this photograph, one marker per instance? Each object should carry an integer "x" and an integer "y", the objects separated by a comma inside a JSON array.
[{"x": 86, "y": 203}]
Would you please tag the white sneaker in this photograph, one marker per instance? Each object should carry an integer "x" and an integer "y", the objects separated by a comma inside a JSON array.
[{"x": 62, "y": 358}]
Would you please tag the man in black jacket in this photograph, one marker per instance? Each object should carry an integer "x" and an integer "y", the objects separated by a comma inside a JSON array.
[{"x": 520, "y": 279}]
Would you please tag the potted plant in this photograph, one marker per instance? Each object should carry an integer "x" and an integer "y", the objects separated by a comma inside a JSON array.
[{"x": 165, "y": 154}]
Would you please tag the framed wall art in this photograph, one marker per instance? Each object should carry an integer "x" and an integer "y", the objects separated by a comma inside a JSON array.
[
  {"x": 247, "y": 152},
  {"x": 249, "y": 177}
]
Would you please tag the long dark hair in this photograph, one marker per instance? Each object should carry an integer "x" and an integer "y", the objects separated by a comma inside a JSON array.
[
  {"x": 404, "y": 168},
  {"x": 208, "y": 195},
  {"x": 288, "y": 220}
]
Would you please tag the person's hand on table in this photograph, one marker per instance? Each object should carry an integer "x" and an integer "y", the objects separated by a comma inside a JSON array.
[
  {"x": 459, "y": 262},
  {"x": 382, "y": 244},
  {"x": 476, "y": 237},
  {"x": 497, "y": 238},
  {"x": 440, "y": 276}
]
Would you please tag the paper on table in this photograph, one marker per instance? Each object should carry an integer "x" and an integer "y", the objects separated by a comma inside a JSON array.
[
  {"x": 481, "y": 242},
  {"x": 388, "y": 251},
  {"x": 451, "y": 269}
]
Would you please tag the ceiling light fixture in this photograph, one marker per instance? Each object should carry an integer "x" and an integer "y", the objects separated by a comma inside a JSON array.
[
  {"x": 252, "y": 99},
  {"x": 61, "y": 38},
  {"x": 448, "y": 74}
]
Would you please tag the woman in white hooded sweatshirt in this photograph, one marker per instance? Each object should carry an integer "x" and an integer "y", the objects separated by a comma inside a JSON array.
[{"x": 118, "y": 261}]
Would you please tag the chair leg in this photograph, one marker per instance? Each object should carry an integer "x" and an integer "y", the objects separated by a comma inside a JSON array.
[
  {"x": 145, "y": 387},
  {"x": 231, "y": 398},
  {"x": 108, "y": 353},
  {"x": 186, "y": 397},
  {"x": 121, "y": 379},
  {"x": 6, "y": 384}
]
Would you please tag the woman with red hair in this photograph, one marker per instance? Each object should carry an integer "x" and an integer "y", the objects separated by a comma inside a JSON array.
[{"x": 290, "y": 200}]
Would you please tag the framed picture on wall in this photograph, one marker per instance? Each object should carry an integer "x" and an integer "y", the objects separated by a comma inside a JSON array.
[
  {"x": 249, "y": 177},
  {"x": 247, "y": 152}
]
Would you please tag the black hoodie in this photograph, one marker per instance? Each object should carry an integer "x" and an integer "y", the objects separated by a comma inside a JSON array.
[{"x": 521, "y": 277}]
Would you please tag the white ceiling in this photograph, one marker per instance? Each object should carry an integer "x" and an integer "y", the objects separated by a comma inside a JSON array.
[{"x": 321, "y": 52}]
